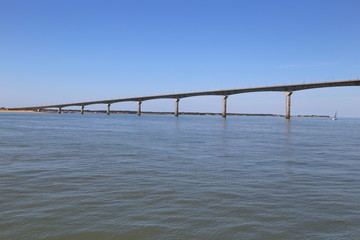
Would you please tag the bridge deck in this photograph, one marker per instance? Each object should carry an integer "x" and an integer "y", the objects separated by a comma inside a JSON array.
[{"x": 283, "y": 88}]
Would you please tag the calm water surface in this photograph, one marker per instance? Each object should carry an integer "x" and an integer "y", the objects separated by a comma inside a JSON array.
[{"x": 73, "y": 176}]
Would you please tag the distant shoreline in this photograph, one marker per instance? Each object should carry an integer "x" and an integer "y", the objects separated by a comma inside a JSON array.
[
  {"x": 161, "y": 113},
  {"x": 19, "y": 111}
]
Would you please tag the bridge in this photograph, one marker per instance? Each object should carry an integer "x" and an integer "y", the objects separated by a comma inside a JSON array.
[{"x": 287, "y": 89}]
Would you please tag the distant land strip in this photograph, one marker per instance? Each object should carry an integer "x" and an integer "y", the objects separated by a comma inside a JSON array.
[{"x": 165, "y": 113}]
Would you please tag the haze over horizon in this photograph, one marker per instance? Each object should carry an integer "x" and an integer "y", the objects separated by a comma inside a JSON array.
[{"x": 56, "y": 52}]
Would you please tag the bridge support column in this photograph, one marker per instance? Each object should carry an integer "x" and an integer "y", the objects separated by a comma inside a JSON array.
[
  {"x": 139, "y": 108},
  {"x": 177, "y": 107},
  {"x": 82, "y": 110},
  {"x": 108, "y": 109},
  {"x": 288, "y": 104},
  {"x": 224, "y": 100},
  {"x": 59, "y": 110}
]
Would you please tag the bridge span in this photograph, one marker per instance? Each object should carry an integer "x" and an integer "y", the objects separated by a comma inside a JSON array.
[{"x": 287, "y": 89}]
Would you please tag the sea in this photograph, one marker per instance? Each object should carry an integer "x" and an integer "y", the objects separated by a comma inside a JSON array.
[{"x": 93, "y": 176}]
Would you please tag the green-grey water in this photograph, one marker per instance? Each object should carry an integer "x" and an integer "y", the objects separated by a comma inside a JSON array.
[{"x": 72, "y": 176}]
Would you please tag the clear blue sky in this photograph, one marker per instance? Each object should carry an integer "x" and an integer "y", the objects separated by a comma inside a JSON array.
[{"x": 63, "y": 51}]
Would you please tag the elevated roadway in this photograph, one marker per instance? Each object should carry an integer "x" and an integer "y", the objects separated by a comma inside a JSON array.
[{"x": 287, "y": 89}]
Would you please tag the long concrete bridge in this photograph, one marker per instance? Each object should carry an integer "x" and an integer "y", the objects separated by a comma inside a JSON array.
[{"x": 287, "y": 89}]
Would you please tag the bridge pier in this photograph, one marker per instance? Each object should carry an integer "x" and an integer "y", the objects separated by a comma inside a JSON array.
[
  {"x": 108, "y": 109},
  {"x": 177, "y": 107},
  {"x": 59, "y": 110},
  {"x": 224, "y": 100},
  {"x": 139, "y": 108},
  {"x": 82, "y": 110},
  {"x": 288, "y": 104}
]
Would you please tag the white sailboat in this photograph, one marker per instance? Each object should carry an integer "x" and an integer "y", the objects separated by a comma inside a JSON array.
[{"x": 335, "y": 116}]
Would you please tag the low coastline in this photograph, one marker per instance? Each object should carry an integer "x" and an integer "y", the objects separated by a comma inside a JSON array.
[
  {"x": 159, "y": 113},
  {"x": 18, "y": 111}
]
